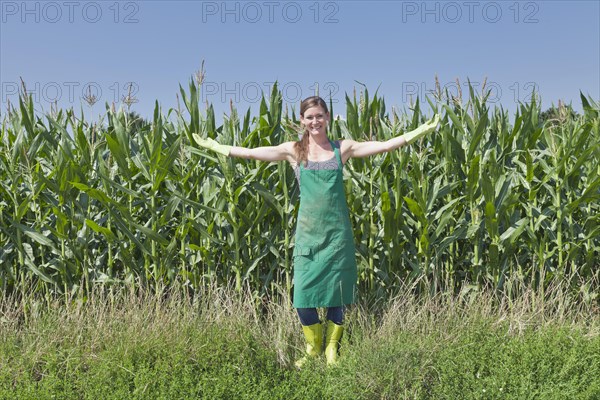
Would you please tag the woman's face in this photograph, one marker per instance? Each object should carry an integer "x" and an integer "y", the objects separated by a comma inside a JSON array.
[{"x": 315, "y": 120}]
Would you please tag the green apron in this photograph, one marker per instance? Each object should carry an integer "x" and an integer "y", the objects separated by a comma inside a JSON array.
[{"x": 325, "y": 271}]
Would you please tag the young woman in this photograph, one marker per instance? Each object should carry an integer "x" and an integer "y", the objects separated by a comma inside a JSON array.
[{"x": 325, "y": 271}]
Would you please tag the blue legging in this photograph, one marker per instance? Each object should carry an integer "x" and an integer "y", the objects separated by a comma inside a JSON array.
[{"x": 309, "y": 316}]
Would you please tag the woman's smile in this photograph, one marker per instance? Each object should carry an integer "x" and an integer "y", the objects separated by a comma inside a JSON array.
[{"x": 315, "y": 119}]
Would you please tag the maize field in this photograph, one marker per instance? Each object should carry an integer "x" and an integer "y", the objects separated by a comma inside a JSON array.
[{"x": 487, "y": 199}]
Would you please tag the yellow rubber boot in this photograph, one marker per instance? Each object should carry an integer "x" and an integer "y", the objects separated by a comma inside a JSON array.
[
  {"x": 332, "y": 341},
  {"x": 314, "y": 342}
]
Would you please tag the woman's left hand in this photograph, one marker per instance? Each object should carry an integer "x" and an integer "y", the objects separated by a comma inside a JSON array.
[{"x": 422, "y": 130}]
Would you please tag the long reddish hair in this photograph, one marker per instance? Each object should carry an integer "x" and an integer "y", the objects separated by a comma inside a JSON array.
[{"x": 301, "y": 146}]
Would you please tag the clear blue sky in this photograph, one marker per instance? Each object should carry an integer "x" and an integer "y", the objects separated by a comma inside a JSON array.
[{"x": 60, "y": 48}]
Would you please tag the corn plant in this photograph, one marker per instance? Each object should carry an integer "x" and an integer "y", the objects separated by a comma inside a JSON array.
[{"x": 114, "y": 202}]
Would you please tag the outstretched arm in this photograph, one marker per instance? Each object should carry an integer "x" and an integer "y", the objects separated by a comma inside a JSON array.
[
  {"x": 284, "y": 151},
  {"x": 365, "y": 149},
  {"x": 281, "y": 152}
]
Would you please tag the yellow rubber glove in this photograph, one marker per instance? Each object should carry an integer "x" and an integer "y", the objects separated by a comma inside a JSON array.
[
  {"x": 212, "y": 145},
  {"x": 422, "y": 130}
]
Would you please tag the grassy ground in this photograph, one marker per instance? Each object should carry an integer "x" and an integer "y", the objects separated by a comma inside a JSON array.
[{"x": 139, "y": 346}]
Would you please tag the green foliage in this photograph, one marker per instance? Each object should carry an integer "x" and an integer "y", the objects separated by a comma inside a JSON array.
[
  {"x": 169, "y": 346},
  {"x": 481, "y": 201}
]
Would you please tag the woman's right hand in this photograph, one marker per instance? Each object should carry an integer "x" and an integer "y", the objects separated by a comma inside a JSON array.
[{"x": 211, "y": 144}]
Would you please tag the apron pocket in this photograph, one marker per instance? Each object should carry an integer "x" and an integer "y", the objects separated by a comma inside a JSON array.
[
  {"x": 302, "y": 250},
  {"x": 303, "y": 257}
]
